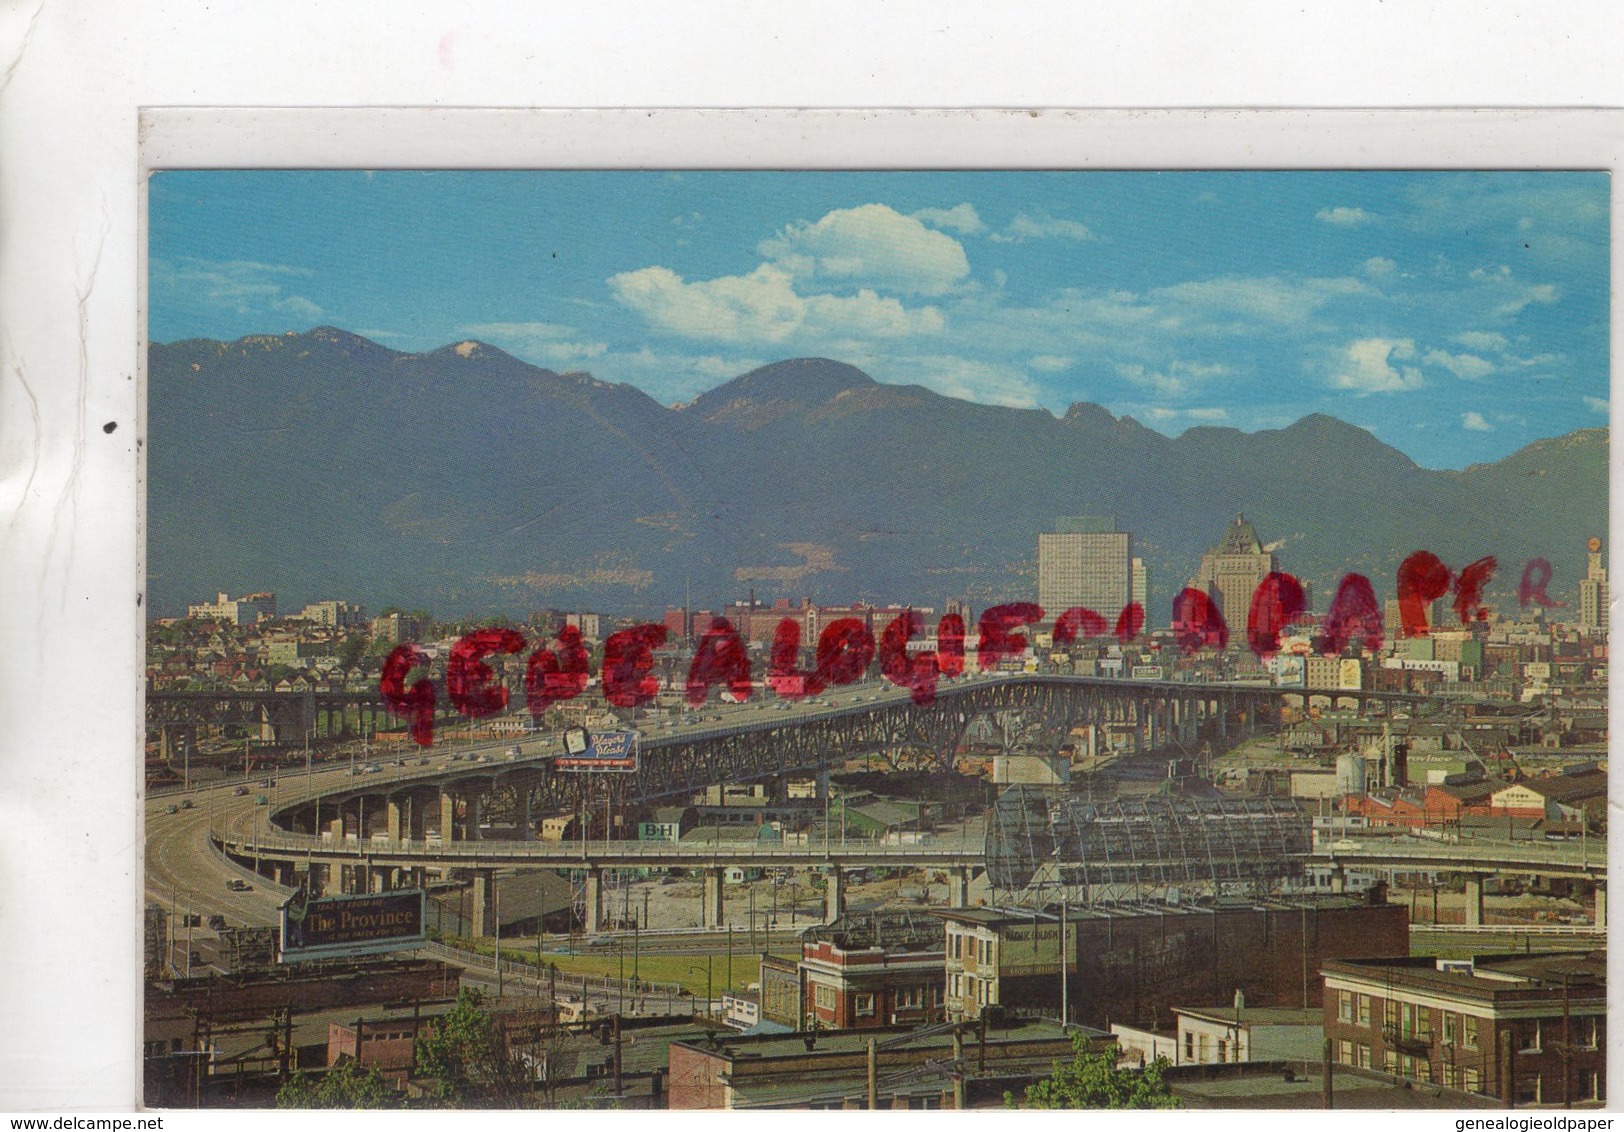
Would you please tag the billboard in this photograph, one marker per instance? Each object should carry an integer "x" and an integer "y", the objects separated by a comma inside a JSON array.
[
  {"x": 335, "y": 927},
  {"x": 605, "y": 751},
  {"x": 1035, "y": 949}
]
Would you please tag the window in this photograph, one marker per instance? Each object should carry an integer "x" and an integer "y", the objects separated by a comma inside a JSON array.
[
  {"x": 1390, "y": 1062},
  {"x": 1469, "y": 1032},
  {"x": 1449, "y": 1029},
  {"x": 1344, "y": 1052},
  {"x": 1223, "y": 1050},
  {"x": 910, "y": 997},
  {"x": 1364, "y": 1010},
  {"x": 1344, "y": 1005},
  {"x": 1390, "y": 1012},
  {"x": 1362, "y": 1055},
  {"x": 1472, "y": 1080},
  {"x": 1584, "y": 1033},
  {"x": 864, "y": 1004},
  {"x": 1529, "y": 1037},
  {"x": 970, "y": 988},
  {"x": 823, "y": 996},
  {"x": 1189, "y": 1045}
]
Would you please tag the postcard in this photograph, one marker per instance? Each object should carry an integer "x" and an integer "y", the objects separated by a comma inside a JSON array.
[{"x": 889, "y": 638}]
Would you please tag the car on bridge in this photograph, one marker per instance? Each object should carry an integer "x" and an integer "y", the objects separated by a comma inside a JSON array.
[
  {"x": 185, "y": 803},
  {"x": 241, "y": 791}
]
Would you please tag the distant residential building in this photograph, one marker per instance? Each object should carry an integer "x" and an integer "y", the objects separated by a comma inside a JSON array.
[
  {"x": 295, "y": 653},
  {"x": 1593, "y": 591},
  {"x": 590, "y": 624},
  {"x": 1085, "y": 562},
  {"x": 246, "y": 610},
  {"x": 335, "y": 614},
  {"x": 1231, "y": 571},
  {"x": 1454, "y": 1022},
  {"x": 396, "y": 628}
]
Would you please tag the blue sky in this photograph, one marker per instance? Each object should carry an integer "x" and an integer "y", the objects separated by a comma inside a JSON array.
[{"x": 1458, "y": 316}]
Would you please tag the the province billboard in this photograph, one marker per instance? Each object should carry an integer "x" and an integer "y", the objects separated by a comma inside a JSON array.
[{"x": 333, "y": 927}]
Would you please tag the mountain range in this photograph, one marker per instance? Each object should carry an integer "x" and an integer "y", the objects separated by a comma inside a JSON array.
[{"x": 323, "y": 465}]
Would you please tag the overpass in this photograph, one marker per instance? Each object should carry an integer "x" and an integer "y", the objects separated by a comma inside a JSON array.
[
  {"x": 1475, "y": 859},
  {"x": 760, "y": 740},
  {"x": 428, "y": 812}
]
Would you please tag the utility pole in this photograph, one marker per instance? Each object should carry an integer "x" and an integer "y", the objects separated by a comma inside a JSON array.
[
  {"x": 496, "y": 902},
  {"x": 1325, "y": 1084},
  {"x": 1065, "y": 1002},
  {"x": 873, "y": 1078}
]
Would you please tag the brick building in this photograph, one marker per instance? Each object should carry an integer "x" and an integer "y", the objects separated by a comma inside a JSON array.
[
  {"x": 387, "y": 1045},
  {"x": 873, "y": 969},
  {"x": 1135, "y": 964},
  {"x": 1461, "y": 1023}
]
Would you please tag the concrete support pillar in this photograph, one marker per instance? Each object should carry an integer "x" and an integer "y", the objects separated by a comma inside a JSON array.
[
  {"x": 448, "y": 816},
  {"x": 527, "y": 831},
  {"x": 1601, "y": 905},
  {"x": 474, "y": 815},
  {"x": 1339, "y": 879},
  {"x": 1474, "y": 899},
  {"x": 823, "y": 785},
  {"x": 834, "y": 895},
  {"x": 593, "y": 912},
  {"x": 484, "y": 899},
  {"x": 417, "y": 812},
  {"x": 711, "y": 908},
  {"x": 392, "y": 816},
  {"x": 958, "y": 887},
  {"x": 380, "y": 879},
  {"x": 317, "y": 878},
  {"x": 337, "y": 827}
]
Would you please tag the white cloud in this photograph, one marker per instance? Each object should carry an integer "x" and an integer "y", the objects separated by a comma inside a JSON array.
[
  {"x": 1050, "y": 363},
  {"x": 1481, "y": 340},
  {"x": 1597, "y": 405},
  {"x": 872, "y": 244},
  {"x": 1266, "y": 297},
  {"x": 298, "y": 306},
  {"x": 547, "y": 342},
  {"x": 961, "y": 218},
  {"x": 242, "y": 286},
  {"x": 1343, "y": 217},
  {"x": 1176, "y": 378},
  {"x": 1042, "y": 226},
  {"x": 1379, "y": 267},
  {"x": 1365, "y": 367},
  {"x": 972, "y": 380},
  {"x": 1474, "y": 422},
  {"x": 763, "y": 307},
  {"x": 1542, "y": 293},
  {"x": 1467, "y": 367}
]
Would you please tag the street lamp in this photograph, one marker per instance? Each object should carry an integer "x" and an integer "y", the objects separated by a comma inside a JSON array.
[{"x": 694, "y": 970}]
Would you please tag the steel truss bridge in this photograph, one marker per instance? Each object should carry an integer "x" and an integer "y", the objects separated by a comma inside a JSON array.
[{"x": 753, "y": 748}]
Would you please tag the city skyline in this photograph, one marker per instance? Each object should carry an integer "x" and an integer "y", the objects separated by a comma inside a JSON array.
[{"x": 1456, "y": 316}]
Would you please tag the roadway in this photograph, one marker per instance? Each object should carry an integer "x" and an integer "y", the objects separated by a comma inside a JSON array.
[{"x": 1585, "y": 859}]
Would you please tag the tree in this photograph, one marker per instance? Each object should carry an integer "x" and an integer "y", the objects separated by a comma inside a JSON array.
[
  {"x": 351, "y": 649},
  {"x": 344, "y": 1086},
  {"x": 1093, "y": 1080},
  {"x": 465, "y": 1052}
]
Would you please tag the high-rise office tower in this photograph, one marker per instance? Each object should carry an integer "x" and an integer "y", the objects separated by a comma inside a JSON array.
[
  {"x": 1085, "y": 562},
  {"x": 1231, "y": 571},
  {"x": 1593, "y": 591}
]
